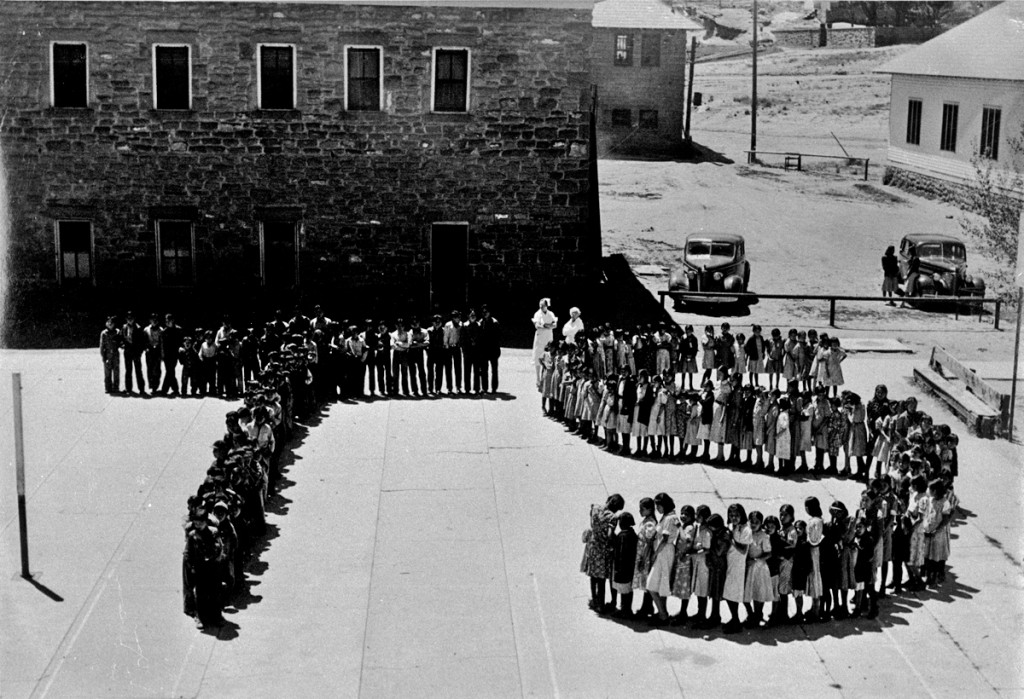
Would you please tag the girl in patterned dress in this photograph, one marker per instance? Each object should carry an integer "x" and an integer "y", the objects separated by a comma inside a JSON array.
[
  {"x": 857, "y": 440},
  {"x": 692, "y": 412},
  {"x": 836, "y": 429},
  {"x": 597, "y": 553},
  {"x": 682, "y": 573},
  {"x": 588, "y": 404},
  {"x": 546, "y": 365},
  {"x": 701, "y": 544},
  {"x": 718, "y": 423},
  {"x": 917, "y": 508},
  {"x": 707, "y": 344},
  {"x": 645, "y": 532},
  {"x": 656, "y": 425},
  {"x": 787, "y": 548},
  {"x": 790, "y": 358}
]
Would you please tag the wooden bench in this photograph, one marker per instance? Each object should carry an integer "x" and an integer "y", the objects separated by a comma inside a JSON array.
[{"x": 984, "y": 409}]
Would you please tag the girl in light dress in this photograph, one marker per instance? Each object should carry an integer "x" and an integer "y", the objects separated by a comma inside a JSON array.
[
  {"x": 771, "y": 418},
  {"x": 736, "y": 565},
  {"x": 783, "y": 440},
  {"x": 656, "y": 426},
  {"x": 857, "y": 439},
  {"x": 692, "y": 411},
  {"x": 659, "y": 580},
  {"x": 718, "y": 423},
  {"x": 836, "y": 355},
  {"x": 645, "y": 532},
  {"x": 815, "y": 533},
  {"x": 936, "y": 532},
  {"x": 608, "y": 412},
  {"x": 917, "y": 509},
  {"x": 545, "y": 368},
  {"x": 589, "y": 403},
  {"x": 627, "y": 401},
  {"x": 791, "y": 358},
  {"x": 757, "y": 589}
]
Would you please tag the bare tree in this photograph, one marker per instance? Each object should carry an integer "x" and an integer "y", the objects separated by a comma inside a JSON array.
[{"x": 997, "y": 195}]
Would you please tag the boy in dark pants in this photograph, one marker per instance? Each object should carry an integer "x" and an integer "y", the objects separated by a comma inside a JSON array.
[
  {"x": 135, "y": 343},
  {"x": 110, "y": 343},
  {"x": 153, "y": 333},
  {"x": 189, "y": 359},
  {"x": 488, "y": 348},
  {"x": 170, "y": 342},
  {"x": 624, "y": 551}
]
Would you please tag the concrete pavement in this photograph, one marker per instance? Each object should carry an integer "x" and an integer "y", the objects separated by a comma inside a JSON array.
[{"x": 431, "y": 548}]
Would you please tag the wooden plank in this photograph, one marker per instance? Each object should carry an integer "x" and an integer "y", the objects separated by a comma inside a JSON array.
[
  {"x": 943, "y": 361},
  {"x": 980, "y": 418}
]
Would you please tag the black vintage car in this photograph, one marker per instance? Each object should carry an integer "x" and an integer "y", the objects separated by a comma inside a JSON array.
[
  {"x": 714, "y": 262},
  {"x": 943, "y": 265}
]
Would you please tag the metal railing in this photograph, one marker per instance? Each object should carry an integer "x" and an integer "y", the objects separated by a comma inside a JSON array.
[
  {"x": 793, "y": 159},
  {"x": 970, "y": 301}
]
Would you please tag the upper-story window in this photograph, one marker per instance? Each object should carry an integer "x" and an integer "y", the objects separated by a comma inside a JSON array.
[
  {"x": 623, "y": 50},
  {"x": 74, "y": 252},
  {"x": 914, "y": 122},
  {"x": 69, "y": 75},
  {"x": 451, "y": 80},
  {"x": 172, "y": 76},
  {"x": 650, "y": 50},
  {"x": 363, "y": 78},
  {"x": 622, "y": 117},
  {"x": 276, "y": 68},
  {"x": 990, "y": 118},
  {"x": 950, "y": 117}
]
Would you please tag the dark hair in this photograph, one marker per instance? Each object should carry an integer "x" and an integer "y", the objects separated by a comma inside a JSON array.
[
  {"x": 737, "y": 508},
  {"x": 687, "y": 510},
  {"x": 787, "y": 509},
  {"x": 665, "y": 501},
  {"x": 919, "y": 483},
  {"x": 938, "y": 486},
  {"x": 772, "y": 519},
  {"x": 626, "y": 520},
  {"x": 615, "y": 502},
  {"x": 812, "y": 506},
  {"x": 703, "y": 511},
  {"x": 646, "y": 504},
  {"x": 756, "y": 514}
]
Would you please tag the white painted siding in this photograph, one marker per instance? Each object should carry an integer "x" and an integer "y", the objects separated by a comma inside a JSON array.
[{"x": 972, "y": 96}]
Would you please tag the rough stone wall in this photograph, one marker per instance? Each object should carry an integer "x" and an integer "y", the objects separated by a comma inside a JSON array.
[
  {"x": 841, "y": 38},
  {"x": 367, "y": 184},
  {"x": 934, "y": 188},
  {"x": 636, "y": 87}
]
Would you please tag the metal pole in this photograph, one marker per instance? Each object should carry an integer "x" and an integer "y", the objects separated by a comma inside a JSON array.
[
  {"x": 1016, "y": 357},
  {"x": 832, "y": 312},
  {"x": 19, "y": 465},
  {"x": 995, "y": 323},
  {"x": 689, "y": 87},
  {"x": 753, "y": 91}
]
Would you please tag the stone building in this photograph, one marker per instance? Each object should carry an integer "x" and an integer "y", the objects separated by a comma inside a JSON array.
[
  {"x": 955, "y": 97},
  {"x": 836, "y": 36},
  {"x": 639, "y": 65},
  {"x": 370, "y": 155}
]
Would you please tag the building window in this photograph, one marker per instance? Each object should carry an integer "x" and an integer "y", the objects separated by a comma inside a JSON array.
[
  {"x": 649, "y": 119},
  {"x": 175, "y": 247},
  {"x": 363, "y": 79},
  {"x": 279, "y": 260},
  {"x": 74, "y": 251},
  {"x": 276, "y": 76},
  {"x": 622, "y": 117},
  {"x": 650, "y": 51},
  {"x": 172, "y": 77},
  {"x": 69, "y": 75},
  {"x": 914, "y": 122},
  {"x": 950, "y": 115},
  {"x": 990, "y": 118},
  {"x": 451, "y": 80},
  {"x": 623, "y": 49}
]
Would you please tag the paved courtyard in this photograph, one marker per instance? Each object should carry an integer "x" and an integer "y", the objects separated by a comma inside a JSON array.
[{"x": 431, "y": 548}]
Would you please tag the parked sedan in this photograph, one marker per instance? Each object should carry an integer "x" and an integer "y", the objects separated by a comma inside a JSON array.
[
  {"x": 712, "y": 262},
  {"x": 943, "y": 267}
]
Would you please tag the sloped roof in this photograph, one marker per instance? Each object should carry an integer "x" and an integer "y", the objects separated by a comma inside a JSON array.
[
  {"x": 640, "y": 14},
  {"x": 990, "y": 46}
]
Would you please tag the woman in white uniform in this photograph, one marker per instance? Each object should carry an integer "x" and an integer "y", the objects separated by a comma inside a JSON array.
[
  {"x": 544, "y": 321},
  {"x": 574, "y": 326}
]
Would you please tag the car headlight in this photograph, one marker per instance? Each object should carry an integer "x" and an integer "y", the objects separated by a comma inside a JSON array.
[
  {"x": 718, "y": 276},
  {"x": 968, "y": 279},
  {"x": 936, "y": 277}
]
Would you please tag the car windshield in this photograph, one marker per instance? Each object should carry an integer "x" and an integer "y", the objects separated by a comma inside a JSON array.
[
  {"x": 709, "y": 248},
  {"x": 954, "y": 251}
]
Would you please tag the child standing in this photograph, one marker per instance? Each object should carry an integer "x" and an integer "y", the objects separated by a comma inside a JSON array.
[
  {"x": 758, "y": 584},
  {"x": 736, "y": 565},
  {"x": 646, "y": 532},
  {"x": 682, "y": 573},
  {"x": 815, "y": 533},
  {"x": 608, "y": 413},
  {"x": 624, "y": 563},
  {"x": 699, "y": 564},
  {"x": 688, "y": 358},
  {"x": 627, "y": 402},
  {"x": 597, "y": 553},
  {"x": 708, "y": 357},
  {"x": 774, "y": 363},
  {"x": 717, "y": 561}
]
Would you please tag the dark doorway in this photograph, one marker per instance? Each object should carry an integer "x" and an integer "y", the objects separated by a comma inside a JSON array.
[
  {"x": 279, "y": 267},
  {"x": 448, "y": 265}
]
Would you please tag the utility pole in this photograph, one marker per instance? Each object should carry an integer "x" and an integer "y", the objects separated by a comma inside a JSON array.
[
  {"x": 753, "y": 92},
  {"x": 689, "y": 88}
]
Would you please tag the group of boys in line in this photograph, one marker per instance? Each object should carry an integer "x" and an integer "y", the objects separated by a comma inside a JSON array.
[{"x": 344, "y": 360}]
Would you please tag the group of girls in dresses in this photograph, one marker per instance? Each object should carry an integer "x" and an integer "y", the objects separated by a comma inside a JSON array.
[
  {"x": 653, "y": 414},
  {"x": 778, "y": 569}
]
